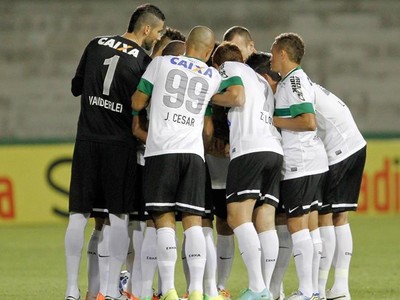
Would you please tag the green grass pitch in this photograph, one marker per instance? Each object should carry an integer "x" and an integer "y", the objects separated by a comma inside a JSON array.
[{"x": 32, "y": 261}]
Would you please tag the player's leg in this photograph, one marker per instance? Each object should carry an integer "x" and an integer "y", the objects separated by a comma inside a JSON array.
[
  {"x": 149, "y": 259},
  {"x": 209, "y": 281},
  {"x": 264, "y": 220},
  {"x": 93, "y": 260},
  {"x": 74, "y": 241}
]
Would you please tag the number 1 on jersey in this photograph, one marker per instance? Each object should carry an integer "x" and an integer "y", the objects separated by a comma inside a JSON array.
[{"x": 112, "y": 63}]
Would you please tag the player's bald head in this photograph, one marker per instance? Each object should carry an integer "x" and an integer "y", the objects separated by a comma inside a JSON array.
[
  {"x": 174, "y": 48},
  {"x": 200, "y": 38}
]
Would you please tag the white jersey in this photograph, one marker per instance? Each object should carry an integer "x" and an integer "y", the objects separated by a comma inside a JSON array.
[
  {"x": 251, "y": 128},
  {"x": 180, "y": 88},
  {"x": 304, "y": 152},
  {"x": 336, "y": 126}
]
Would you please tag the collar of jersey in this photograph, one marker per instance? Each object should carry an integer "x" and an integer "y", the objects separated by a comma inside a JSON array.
[
  {"x": 193, "y": 57},
  {"x": 287, "y": 75}
]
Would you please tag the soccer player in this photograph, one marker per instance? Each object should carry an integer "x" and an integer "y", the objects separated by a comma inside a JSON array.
[
  {"x": 148, "y": 255},
  {"x": 169, "y": 35},
  {"x": 240, "y": 36},
  {"x": 180, "y": 89},
  {"x": 254, "y": 172},
  {"x": 346, "y": 149},
  {"x": 104, "y": 160},
  {"x": 305, "y": 159},
  {"x": 261, "y": 63}
]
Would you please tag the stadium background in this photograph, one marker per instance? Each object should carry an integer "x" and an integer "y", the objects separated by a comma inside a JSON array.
[{"x": 352, "y": 48}]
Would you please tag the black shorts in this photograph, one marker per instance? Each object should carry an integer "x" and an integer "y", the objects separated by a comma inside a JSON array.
[
  {"x": 255, "y": 176},
  {"x": 219, "y": 202},
  {"x": 175, "y": 182},
  {"x": 298, "y": 194},
  {"x": 209, "y": 200},
  {"x": 343, "y": 182},
  {"x": 139, "y": 213},
  {"x": 102, "y": 178}
]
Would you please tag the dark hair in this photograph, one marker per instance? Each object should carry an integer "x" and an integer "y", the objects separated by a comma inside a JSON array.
[
  {"x": 237, "y": 30},
  {"x": 293, "y": 44},
  {"x": 141, "y": 15},
  {"x": 174, "y": 34},
  {"x": 260, "y": 62},
  {"x": 209, "y": 61},
  {"x": 227, "y": 51}
]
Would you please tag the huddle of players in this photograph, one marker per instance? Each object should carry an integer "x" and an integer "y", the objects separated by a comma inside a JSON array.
[{"x": 256, "y": 197}]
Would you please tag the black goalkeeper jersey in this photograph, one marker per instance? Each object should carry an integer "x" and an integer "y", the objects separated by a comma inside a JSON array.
[{"x": 107, "y": 76}]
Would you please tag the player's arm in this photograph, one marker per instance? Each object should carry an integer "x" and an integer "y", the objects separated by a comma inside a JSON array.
[
  {"x": 78, "y": 80},
  {"x": 232, "y": 96},
  {"x": 208, "y": 128},
  {"x": 303, "y": 122},
  {"x": 139, "y": 100},
  {"x": 137, "y": 129}
]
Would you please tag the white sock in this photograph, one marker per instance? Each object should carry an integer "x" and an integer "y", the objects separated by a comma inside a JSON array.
[
  {"x": 130, "y": 256},
  {"x": 195, "y": 250},
  {"x": 328, "y": 250},
  {"x": 270, "y": 248},
  {"x": 118, "y": 247},
  {"x": 282, "y": 262},
  {"x": 93, "y": 264},
  {"x": 185, "y": 266},
  {"x": 166, "y": 257},
  {"x": 250, "y": 250},
  {"x": 303, "y": 250},
  {"x": 104, "y": 258},
  {"x": 225, "y": 255},
  {"x": 209, "y": 281},
  {"x": 317, "y": 243},
  {"x": 344, "y": 247},
  {"x": 74, "y": 240},
  {"x": 137, "y": 241},
  {"x": 148, "y": 261}
]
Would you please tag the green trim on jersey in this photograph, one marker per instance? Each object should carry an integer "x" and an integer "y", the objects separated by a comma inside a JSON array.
[
  {"x": 135, "y": 113},
  {"x": 288, "y": 74},
  {"x": 302, "y": 108},
  {"x": 209, "y": 111},
  {"x": 282, "y": 112},
  {"x": 235, "y": 80},
  {"x": 145, "y": 87},
  {"x": 295, "y": 110}
]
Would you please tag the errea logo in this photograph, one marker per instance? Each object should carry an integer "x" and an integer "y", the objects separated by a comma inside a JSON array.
[{"x": 119, "y": 46}]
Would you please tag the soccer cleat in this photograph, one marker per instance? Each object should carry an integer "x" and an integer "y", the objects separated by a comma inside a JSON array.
[
  {"x": 170, "y": 295},
  {"x": 121, "y": 297},
  {"x": 72, "y": 298},
  {"x": 195, "y": 295},
  {"x": 248, "y": 294},
  {"x": 219, "y": 297},
  {"x": 315, "y": 296},
  {"x": 337, "y": 296},
  {"x": 297, "y": 295},
  {"x": 100, "y": 296},
  {"x": 129, "y": 295},
  {"x": 225, "y": 294},
  {"x": 185, "y": 296}
]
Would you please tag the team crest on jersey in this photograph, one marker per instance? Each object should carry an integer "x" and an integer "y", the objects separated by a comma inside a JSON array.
[
  {"x": 119, "y": 46},
  {"x": 191, "y": 66},
  {"x": 296, "y": 87},
  {"x": 222, "y": 71}
]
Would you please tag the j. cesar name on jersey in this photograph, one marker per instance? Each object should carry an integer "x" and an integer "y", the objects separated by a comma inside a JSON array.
[{"x": 119, "y": 46}]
